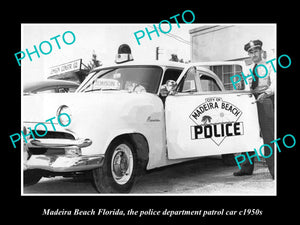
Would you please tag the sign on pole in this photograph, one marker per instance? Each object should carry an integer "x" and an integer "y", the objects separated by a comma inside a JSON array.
[{"x": 73, "y": 66}]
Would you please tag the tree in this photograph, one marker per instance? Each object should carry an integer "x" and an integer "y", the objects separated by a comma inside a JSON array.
[
  {"x": 94, "y": 63},
  {"x": 91, "y": 65},
  {"x": 174, "y": 58}
]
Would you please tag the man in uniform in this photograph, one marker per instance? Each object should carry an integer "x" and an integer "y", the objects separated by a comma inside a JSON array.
[{"x": 263, "y": 89}]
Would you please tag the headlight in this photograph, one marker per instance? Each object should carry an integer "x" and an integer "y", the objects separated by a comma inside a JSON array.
[{"x": 64, "y": 115}]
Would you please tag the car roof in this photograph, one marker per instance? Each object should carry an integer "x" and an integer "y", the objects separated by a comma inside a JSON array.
[
  {"x": 168, "y": 64},
  {"x": 161, "y": 63}
]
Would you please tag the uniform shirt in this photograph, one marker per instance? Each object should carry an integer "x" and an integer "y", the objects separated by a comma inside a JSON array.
[{"x": 269, "y": 80}]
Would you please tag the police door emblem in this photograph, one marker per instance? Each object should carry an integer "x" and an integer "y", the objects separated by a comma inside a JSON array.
[{"x": 216, "y": 119}]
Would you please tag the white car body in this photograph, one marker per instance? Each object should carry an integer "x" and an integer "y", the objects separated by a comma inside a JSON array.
[{"x": 163, "y": 131}]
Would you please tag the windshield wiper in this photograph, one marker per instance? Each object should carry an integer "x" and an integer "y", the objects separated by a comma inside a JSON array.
[
  {"x": 110, "y": 89},
  {"x": 98, "y": 89}
]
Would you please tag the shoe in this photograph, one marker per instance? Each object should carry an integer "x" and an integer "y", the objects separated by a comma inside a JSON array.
[{"x": 242, "y": 173}]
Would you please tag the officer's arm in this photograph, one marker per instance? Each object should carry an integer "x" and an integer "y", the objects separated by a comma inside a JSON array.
[{"x": 271, "y": 89}]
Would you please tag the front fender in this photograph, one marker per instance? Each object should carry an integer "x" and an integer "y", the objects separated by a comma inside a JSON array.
[
  {"x": 131, "y": 113},
  {"x": 101, "y": 117}
]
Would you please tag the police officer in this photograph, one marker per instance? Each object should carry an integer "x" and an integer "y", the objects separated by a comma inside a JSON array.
[{"x": 263, "y": 88}]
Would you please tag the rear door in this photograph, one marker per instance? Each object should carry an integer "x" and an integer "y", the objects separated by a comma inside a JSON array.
[{"x": 203, "y": 118}]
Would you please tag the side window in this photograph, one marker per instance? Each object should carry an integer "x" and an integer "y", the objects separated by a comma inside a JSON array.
[
  {"x": 188, "y": 83},
  {"x": 208, "y": 84},
  {"x": 171, "y": 74}
]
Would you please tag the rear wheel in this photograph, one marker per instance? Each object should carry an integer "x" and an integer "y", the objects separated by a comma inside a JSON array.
[{"x": 118, "y": 172}]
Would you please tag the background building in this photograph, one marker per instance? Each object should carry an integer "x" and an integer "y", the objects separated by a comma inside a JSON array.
[{"x": 226, "y": 43}]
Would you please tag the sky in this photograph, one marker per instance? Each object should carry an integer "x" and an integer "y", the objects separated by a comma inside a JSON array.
[{"x": 103, "y": 39}]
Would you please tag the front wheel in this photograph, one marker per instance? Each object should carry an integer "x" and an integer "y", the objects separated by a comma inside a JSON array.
[
  {"x": 31, "y": 177},
  {"x": 118, "y": 172}
]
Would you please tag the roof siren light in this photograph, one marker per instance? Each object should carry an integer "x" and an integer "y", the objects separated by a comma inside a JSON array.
[{"x": 124, "y": 54}]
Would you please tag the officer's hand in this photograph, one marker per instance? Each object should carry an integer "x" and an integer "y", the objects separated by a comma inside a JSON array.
[{"x": 261, "y": 97}]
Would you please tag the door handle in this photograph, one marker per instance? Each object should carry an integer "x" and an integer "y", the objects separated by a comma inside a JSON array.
[{"x": 249, "y": 94}]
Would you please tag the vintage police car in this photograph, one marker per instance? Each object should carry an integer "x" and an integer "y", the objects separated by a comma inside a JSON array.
[{"x": 131, "y": 117}]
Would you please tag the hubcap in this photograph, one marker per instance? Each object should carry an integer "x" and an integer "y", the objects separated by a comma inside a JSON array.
[{"x": 122, "y": 164}]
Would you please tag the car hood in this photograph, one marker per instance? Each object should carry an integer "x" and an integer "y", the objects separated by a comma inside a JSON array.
[{"x": 41, "y": 107}]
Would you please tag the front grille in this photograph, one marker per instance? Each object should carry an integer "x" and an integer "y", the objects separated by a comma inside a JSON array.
[
  {"x": 46, "y": 151},
  {"x": 55, "y": 134},
  {"x": 50, "y": 135}
]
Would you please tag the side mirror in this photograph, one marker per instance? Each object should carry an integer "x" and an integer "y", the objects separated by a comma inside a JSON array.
[{"x": 168, "y": 88}]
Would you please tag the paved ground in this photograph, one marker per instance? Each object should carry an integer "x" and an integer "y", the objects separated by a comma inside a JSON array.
[{"x": 205, "y": 176}]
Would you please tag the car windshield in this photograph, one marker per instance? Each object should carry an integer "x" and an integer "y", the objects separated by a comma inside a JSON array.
[{"x": 145, "y": 78}]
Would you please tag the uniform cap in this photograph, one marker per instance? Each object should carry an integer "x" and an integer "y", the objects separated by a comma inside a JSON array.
[{"x": 253, "y": 44}]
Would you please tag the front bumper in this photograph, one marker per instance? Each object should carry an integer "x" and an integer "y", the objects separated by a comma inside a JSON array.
[
  {"x": 69, "y": 158},
  {"x": 60, "y": 143},
  {"x": 64, "y": 163}
]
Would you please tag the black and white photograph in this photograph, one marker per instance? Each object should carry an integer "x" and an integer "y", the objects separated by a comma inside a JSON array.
[
  {"x": 171, "y": 113},
  {"x": 108, "y": 108}
]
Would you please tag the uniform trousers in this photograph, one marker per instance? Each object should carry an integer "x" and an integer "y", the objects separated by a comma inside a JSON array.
[{"x": 265, "y": 110}]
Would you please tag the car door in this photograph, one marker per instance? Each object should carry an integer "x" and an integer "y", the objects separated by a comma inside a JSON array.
[{"x": 202, "y": 118}]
